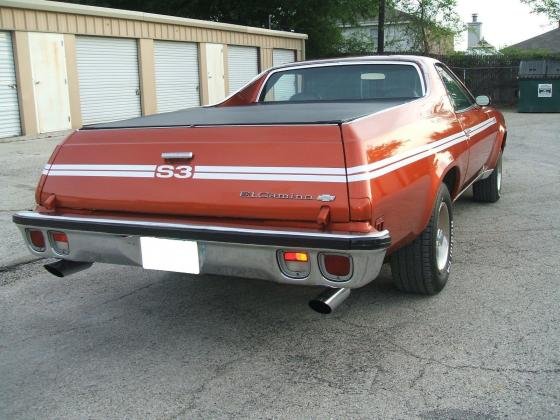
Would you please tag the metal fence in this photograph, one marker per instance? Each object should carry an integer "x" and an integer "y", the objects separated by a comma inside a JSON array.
[{"x": 498, "y": 82}]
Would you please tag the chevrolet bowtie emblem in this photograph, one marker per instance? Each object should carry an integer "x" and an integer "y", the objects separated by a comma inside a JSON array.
[{"x": 326, "y": 197}]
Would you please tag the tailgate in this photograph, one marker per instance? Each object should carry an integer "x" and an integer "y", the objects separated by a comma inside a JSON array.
[{"x": 255, "y": 172}]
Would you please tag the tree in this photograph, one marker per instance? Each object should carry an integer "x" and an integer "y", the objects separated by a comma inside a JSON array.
[
  {"x": 550, "y": 8},
  {"x": 320, "y": 19},
  {"x": 430, "y": 22},
  {"x": 381, "y": 27}
]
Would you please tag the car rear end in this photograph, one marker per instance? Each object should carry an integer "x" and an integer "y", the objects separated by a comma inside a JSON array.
[{"x": 260, "y": 201}]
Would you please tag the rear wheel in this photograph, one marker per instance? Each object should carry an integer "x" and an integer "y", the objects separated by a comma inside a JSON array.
[
  {"x": 423, "y": 266},
  {"x": 488, "y": 190}
]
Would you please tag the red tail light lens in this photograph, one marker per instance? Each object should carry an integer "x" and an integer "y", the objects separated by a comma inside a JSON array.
[
  {"x": 36, "y": 239},
  {"x": 59, "y": 241},
  {"x": 336, "y": 267}
]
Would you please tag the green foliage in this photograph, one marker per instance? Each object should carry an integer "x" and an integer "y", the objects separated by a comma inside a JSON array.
[
  {"x": 430, "y": 22},
  {"x": 507, "y": 57},
  {"x": 319, "y": 19},
  {"x": 357, "y": 44},
  {"x": 518, "y": 54},
  {"x": 550, "y": 8}
]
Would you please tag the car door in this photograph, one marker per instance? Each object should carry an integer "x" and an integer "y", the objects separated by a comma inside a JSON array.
[{"x": 474, "y": 120}]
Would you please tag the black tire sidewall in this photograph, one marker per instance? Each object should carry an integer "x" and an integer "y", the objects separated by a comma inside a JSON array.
[{"x": 440, "y": 277}]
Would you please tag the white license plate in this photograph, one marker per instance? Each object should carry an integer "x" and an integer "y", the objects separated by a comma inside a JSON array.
[{"x": 170, "y": 255}]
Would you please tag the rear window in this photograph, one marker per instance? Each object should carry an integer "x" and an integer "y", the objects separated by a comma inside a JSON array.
[{"x": 363, "y": 82}]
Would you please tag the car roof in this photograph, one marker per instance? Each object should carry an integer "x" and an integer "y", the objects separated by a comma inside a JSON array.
[{"x": 417, "y": 59}]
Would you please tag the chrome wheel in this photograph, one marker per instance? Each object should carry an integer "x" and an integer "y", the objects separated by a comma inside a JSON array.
[
  {"x": 443, "y": 236},
  {"x": 499, "y": 174}
]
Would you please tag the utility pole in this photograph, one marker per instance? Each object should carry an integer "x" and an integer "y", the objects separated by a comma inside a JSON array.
[{"x": 381, "y": 28}]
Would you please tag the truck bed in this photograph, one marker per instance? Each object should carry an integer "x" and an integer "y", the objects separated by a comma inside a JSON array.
[{"x": 258, "y": 114}]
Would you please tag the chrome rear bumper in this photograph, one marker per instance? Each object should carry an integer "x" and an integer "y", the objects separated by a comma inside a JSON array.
[{"x": 223, "y": 250}]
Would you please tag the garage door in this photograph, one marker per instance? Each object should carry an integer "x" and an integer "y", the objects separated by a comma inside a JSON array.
[
  {"x": 243, "y": 65},
  {"x": 9, "y": 108},
  {"x": 281, "y": 56},
  {"x": 177, "y": 83},
  {"x": 108, "y": 76}
]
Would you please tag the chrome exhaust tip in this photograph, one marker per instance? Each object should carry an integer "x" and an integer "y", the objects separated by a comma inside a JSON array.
[
  {"x": 63, "y": 268},
  {"x": 329, "y": 300}
]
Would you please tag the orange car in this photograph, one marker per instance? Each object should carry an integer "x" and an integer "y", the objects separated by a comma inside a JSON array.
[{"x": 314, "y": 173}]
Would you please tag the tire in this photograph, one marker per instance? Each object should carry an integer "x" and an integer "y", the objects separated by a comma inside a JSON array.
[
  {"x": 423, "y": 266},
  {"x": 488, "y": 190}
]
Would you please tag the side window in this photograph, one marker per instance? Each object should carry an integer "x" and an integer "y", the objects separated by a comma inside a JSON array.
[
  {"x": 285, "y": 87},
  {"x": 460, "y": 98}
]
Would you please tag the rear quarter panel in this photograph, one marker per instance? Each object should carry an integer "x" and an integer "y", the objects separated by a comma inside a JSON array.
[{"x": 399, "y": 158}]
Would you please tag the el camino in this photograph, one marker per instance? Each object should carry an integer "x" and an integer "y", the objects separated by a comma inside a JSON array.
[{"x": 355, "y": 162}]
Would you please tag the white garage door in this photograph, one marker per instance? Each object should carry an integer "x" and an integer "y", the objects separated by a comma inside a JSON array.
[
  {"x": 9, "y": 108},
  {"x": 281, "y": 56},
  {"x": 108, "y": 75},
  {"x": 243, "y": 65},
  {"x": 177, "y": 82}
]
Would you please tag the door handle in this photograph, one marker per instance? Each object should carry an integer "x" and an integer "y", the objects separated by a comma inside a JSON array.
[{"x": 177, "y": 155}]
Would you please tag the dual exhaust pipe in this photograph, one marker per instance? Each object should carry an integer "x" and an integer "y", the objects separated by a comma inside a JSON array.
[
  {"x": 325, "y": 303},
  {"x": 329, "y": 300},
  {"x": 63, "y": 268}
]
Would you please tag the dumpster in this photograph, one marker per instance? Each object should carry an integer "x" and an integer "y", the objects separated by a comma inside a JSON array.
[{"x": 539, "y": 86}]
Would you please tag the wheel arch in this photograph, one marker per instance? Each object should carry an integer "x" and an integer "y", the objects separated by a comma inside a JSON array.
[{"x": 446, "y": 172}]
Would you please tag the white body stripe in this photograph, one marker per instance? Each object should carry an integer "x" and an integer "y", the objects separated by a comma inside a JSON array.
[
  {"x": 103, "y": 167},
  {"x": 110, "y": 174},
  {"x": 402, "y": 156},
  {"x": 270, "y": 177},
  {"x": 271, "y": 170},
  {"x": 278, "y": 173}
]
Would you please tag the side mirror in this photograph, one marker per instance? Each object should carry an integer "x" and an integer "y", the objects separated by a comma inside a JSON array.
[{"x": 482, "y": 100}]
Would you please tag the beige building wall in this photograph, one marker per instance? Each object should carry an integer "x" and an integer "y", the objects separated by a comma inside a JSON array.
[
  {"x": 24, "y": 16},
  {"x": 73, "y": 83},
  {"x": 147, "y": 72},
  {"x": 26, "y": 94}
]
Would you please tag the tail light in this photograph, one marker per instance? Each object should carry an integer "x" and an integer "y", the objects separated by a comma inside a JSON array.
[
  {"x": 59, "y": 242},
  {"x": 296, "y": 257},
  {"x": 36, "y": 239},
  {"x": 294, "y": 264},
  {"x": 336, "y": 267}
]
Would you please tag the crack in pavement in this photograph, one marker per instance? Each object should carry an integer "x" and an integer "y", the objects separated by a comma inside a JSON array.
[
  {"x": 406, "y": 352},
  {"x": 128, "y": 294}
]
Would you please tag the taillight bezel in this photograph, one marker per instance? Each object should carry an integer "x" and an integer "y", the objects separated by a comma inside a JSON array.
[
  {"x": 332, "y": 277},
  {"x": 34, "y": 247},
  {"x": 54, "y": 243},
  {"x": 285, "y": 269}
]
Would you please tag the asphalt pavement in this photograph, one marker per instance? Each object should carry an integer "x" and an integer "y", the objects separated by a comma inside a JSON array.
[{"x": 116, "y": 342}]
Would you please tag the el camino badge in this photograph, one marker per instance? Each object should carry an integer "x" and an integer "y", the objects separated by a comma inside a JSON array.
[{"x": 283, "y": 196}]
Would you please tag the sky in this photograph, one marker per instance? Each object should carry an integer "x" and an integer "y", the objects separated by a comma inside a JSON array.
[{"x": 504, "y": 22}]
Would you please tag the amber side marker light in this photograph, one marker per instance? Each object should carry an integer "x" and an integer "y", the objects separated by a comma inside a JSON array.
[
  {"x": 36, "y": 239},
  {"x": 294, "y": 264},
  {"x": 59, "y": 241},
  {"x": 336, "y": 267}
]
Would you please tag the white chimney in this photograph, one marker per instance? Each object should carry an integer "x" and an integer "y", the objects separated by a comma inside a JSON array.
[{"x": 474, "y": 30}]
